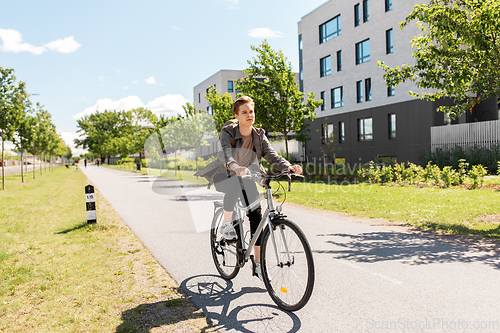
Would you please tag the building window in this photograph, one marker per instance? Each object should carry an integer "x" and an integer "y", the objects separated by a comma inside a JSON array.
[
  {"x": 341, "y": 132},
  {"x": 325, "y": 66},
  {"x": 388, "y": 5},
  {"x": 365, "y": 129},
  {"x": 389, "y": 47},
  {"x": 339, "y": 61},
  {"x": 208, "y": 109},
  {"x": 301, "y": 66},
  {"x": 337, "y": 97},
  {"x": 362, "y": 52},
  {"x": 392, "y": 126},
  {"x": 229, "y": 86},
  {"x": 323, "y": 103},
  {"x": 329, "y": 29},
  {"x": 328, "y": 135},
  {"x": 366, "y": 13},
  {"x": 199, "y": 98},
  {"x": 368, "y": 89},
  {"x": 359, "y": 91},
  {"x": 357, "y": 15},
  {"x": 390, "y": 91}
]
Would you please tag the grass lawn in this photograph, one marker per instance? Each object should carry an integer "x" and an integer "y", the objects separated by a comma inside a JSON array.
[
  {"x": 457, "y": 210},
  {"x": 59, "y": 274}
]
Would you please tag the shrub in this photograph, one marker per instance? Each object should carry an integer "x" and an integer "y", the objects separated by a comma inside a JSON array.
[
  {"x": 463, "y": 167},
  {"x": 476, "y": 174},
  {"x": 398, "y": 172},
  {"x": 498, "y": 168},
  {"x": 386, "y": 174},
  {"x": 431, "y": 173},
  {"x": 449, "y": 176},
  {"x": 413, "y": 173}
]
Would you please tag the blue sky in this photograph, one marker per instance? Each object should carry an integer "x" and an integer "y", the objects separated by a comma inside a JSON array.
[{"x": 88, "y": 55}]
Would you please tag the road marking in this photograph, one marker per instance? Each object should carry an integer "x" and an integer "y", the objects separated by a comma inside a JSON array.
[{"x": 382, "y": 276}]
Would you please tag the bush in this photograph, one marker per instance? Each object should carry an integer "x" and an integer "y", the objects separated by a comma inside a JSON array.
[
  {"x": 476, "y": 155},
  {"x": 386, "y": 174},
  {"x": 449, "y": 176},
  {"x": 476, "y": 174},
  {"x": 431, "y": 173}
]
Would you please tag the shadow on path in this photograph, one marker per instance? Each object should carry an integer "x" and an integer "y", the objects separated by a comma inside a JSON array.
[
  {"x": 412, "y": 249},
  {"x": 208, "y": 291}
]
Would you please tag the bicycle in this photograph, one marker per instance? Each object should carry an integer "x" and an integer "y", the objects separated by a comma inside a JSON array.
[{"x": 285, "y": 255}]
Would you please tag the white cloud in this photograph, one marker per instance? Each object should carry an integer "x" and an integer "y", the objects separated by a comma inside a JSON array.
[
  {"x": 13, "y": 42},
  {"x": 232, "y": 3},
  {"x": 168, "y": 104},
  {"x": 176, "y": 28},
  {"x": 118, "y": 71},
  {"x": 66, "y": 45},
  {"x": 127, "y": 103},
  {"x": 264, "y": 33},
  {"x": 135, "y": 82},
  {"x": 68, "y": 138},
  {"x": 126, "y": 88},
  {"x": 151, "y": 80},
  {"x": 101, "y": 78}
]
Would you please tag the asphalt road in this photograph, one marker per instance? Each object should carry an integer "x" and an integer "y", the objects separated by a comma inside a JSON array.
[
  {"x": 371, "y": 276},
  {"x": 11, "y": 170}
]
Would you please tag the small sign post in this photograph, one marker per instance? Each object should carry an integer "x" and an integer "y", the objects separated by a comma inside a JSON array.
[{"x": 90, "y": 202}]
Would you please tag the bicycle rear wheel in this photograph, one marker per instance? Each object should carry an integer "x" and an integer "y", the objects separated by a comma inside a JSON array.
[
  {"x": 289, "y": 280},
  {"x": 224, "y": 253}
]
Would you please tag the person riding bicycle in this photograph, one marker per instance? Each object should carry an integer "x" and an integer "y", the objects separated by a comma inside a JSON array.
[{"x": 243, "y": 144}]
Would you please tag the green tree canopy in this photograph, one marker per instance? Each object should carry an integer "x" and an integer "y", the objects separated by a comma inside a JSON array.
[
  {"x": 457, "y": 54},
  {"x": 279, "y": 105},
  {"x": 222, "y": 107}
]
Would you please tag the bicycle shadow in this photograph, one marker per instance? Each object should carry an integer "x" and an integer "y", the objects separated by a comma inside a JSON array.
[
  {"x": 148, "y": 316},
  {"x": 411, "y": 249},
  {"x": 214, "y": 291}
]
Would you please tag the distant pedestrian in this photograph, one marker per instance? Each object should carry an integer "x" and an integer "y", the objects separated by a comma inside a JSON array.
[
  {"x": 85, "y": 162},
  {"x": 97, "y": 162}
]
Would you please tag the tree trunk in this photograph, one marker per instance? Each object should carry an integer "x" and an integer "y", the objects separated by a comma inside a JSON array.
[
  {"x": 3, "y": 165},
  {"x": 41, "y": 159},
  {"x": 22, "y": 169}
]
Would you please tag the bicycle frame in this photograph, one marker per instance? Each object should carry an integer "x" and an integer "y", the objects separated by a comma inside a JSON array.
[{"x": 267, "y": 216}]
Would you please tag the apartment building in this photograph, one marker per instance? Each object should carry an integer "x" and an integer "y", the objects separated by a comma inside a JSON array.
[
  {"x": 223, "y": 81},
  {"x": 340, "y": 43}
]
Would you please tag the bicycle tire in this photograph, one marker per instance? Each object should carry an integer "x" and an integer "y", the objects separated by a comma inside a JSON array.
[
  {"x": 290, "y": 284},
  {"x": 224, "y": 254}
]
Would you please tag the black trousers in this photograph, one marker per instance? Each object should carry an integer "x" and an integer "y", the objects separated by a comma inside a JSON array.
[{"x": 247, "y": 192}]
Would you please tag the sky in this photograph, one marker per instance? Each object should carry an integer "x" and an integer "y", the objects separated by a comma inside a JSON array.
[{"x": 77, "y": 57}]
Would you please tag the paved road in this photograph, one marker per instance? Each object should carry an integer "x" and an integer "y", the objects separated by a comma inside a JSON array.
[
  {"x": 11, "y": 170},
  {"x": 370, "y": 277}
]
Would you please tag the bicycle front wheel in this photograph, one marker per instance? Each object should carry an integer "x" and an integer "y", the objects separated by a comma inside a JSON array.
[
  {"x": 224, "y": 253},
  {"x": 288, "y": 272}
]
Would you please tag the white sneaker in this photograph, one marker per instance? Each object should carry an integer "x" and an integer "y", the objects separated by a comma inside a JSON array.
[
  {"x": 228, "y": 232},
  {"x": 258, "y": 271}
]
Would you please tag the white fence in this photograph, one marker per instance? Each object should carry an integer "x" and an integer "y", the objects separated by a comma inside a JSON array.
[{"x": 484, "y": 134}]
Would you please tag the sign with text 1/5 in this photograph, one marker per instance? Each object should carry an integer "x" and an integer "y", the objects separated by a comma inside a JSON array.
[{"x": 90, "y": 203}]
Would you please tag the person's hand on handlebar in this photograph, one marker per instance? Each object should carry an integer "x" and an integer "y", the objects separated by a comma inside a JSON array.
[
  {"x": 297, "y": 169},
  {"x": 240, "y": 170}
]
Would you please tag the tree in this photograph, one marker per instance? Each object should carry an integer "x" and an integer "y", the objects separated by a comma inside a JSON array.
[
  {"x": 279, "y": 104},
  {"x": 197, "y": 125},
  {"x": 457, "y": 55},
  {"x": 25, "y": 133},
  {"x": 12, "y": 99},
  {"x": 222, "y": 107},
  {"x": 42, "y": 134}
]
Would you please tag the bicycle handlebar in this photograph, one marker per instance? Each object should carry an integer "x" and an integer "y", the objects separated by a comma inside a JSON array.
[{"x": 288, "y": 173}]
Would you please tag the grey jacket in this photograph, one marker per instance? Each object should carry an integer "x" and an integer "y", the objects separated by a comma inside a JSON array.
[
  {"x": 230, "y": 143},
  {"x": 262, "y": 147}
]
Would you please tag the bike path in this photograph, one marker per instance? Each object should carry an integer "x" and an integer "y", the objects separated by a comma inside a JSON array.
[{"x": 370, "y": 277}]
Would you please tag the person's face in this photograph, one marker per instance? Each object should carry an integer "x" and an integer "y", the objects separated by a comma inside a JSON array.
[{"x": 246, "y": 115}]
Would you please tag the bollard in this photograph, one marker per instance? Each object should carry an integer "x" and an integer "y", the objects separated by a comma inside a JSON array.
[
  {"x": 90, "y": 203},
  {"x": 76, "y": 167}
]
